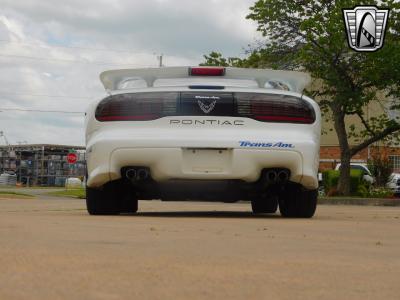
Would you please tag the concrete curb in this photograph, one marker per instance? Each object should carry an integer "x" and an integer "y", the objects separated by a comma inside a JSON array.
[{"x": 359, "y": 201}]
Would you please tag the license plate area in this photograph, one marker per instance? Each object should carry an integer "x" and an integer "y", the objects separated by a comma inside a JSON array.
[{"x": 206, "y": 160}]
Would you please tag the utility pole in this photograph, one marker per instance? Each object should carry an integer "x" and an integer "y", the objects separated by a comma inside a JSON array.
[
  {"x": 5, "y": 138},
  {"x": 160, "y": 60},
  {"x": 42, "y": 167}
]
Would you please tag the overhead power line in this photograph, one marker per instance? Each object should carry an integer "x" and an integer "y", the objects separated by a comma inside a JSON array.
[
  {"x": 42, "y": 111},
  {"x": 46, "y": 96},
  {"x": 74, "y": 47},
  {"x": 71, "y": 61}
]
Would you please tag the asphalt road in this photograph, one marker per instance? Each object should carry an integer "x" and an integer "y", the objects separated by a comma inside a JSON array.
[{"x": 51, "y": 249}]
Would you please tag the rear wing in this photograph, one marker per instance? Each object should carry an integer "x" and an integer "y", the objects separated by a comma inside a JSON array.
[{"x": 294, "y": 81}]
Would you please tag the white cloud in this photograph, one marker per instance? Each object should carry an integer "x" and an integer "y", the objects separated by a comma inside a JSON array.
[{"x": 182, "y": 30}]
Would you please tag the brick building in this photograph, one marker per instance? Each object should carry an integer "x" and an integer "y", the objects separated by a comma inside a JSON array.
[
  {"x": 330, "y": 151},
  {"x": 330, "y": 156}
]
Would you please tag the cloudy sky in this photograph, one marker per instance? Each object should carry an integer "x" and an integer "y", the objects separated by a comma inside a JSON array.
[{"x": 51, "y": 53}]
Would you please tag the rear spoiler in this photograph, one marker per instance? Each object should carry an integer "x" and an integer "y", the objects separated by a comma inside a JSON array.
[{"x": 295, "y": 81}]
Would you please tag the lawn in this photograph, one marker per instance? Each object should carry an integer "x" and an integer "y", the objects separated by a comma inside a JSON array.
[
  {"x": 72, "y": 193},
  {"x": 11, "y": 194}
]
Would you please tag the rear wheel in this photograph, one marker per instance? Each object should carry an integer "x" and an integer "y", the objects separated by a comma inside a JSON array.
[
  {"x": 128, "y": 200},
  {"x": 297, "y": 202},
  {"x": 111, "y": 199},
  {"x": 264, "y": 204}
]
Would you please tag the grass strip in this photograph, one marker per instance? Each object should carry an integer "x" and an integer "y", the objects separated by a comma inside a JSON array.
[
  {"x": 12, "y": 194},
  {"x": 72, "y": 193}
]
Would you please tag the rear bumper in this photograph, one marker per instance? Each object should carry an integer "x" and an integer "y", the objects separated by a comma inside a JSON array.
[{"x": 105, "y": 164}]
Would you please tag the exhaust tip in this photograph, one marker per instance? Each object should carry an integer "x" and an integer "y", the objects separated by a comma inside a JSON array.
[
  {"x": 131, "y": 174},
  {"x": 283, "y": 175},
  {"x": 271, "y": 175},
  {"x": 135, "y": 174},
  {"x": 142, "y": 174}
]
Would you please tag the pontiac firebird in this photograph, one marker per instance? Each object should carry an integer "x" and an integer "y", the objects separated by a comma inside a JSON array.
[{"x": 203, "y": 133}]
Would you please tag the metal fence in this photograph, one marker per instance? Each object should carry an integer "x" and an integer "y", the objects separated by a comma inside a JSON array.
[{"x": 42, "y": 164}]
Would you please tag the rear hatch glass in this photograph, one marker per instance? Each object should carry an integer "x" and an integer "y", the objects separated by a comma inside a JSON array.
[{"x": 207, "y": 103}]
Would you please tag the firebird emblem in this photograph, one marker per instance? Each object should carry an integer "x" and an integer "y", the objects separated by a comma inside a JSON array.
[{"x": 206, "y": 108}]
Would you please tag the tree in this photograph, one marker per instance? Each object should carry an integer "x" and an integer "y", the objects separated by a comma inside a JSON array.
[
  {"x": 216, "y": 59},
  {"x": 380, "y": 168},
  {"x": 310, "y": 36}
]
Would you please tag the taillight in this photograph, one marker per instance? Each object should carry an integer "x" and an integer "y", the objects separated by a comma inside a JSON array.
[
  {"x": 207, "y": 71},
  {"x": 137, "y": 106},
  {"x": 274, "y": 108}
]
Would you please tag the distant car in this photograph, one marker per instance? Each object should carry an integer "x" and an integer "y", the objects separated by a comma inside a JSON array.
[
  {"x": 203, "y": 133},
  {"x": 394, "y": 184},
  {"x": 73, "y": 182},
  {"x": 8, "y": 178},
  {"x": 367, "y": 176}
]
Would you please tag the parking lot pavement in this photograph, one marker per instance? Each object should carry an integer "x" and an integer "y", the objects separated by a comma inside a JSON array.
[{"x": 51, "y": 249}]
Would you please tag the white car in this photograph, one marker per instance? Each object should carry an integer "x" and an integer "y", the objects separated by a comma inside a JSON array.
[
  {"x": 203, "y": 133},
  {"x": 73, "y": 182},
  {"x": 367, "y": 176},
  {"x": 394, "y": 184}
]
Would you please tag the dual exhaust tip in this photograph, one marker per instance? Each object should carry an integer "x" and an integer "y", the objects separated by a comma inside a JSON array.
[
  {"x": 273, "y": 176},
  {"x": 137, "y": 174}
]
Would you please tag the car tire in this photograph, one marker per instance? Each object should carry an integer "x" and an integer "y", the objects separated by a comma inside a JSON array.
[
  {"x": 297, "y": 202},
  {"x": 264, "y": 205},
  {"x": 107, "y": 200},
  {"x": 128, "y": 200}
]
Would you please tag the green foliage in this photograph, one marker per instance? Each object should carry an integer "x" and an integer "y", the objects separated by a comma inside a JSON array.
[
  {"x": 311, "y": 36},
  {"x": 362, "y": 191},
  {"x": 356, "y": 180},
  {"x": 216, "y": 59},
  {"x": 358, "y": 186},
  {"x": 330, "y": 179},
  {"x": 72, "y": 193},
  {"x": 15, "y": 194},
  {"x": 380, "y": 193},
  {"x": 381, "y": 168}
]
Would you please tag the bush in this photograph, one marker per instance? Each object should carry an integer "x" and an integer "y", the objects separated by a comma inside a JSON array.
[
  {"x": 356, "y": 180},
  {"x": 380, "y": 193},
  {"x": 358, "y": 186},
  {"x": 362, "y": 191},
  {"x": 330, "y": 179},
  {"x": 381, "y": 168}
]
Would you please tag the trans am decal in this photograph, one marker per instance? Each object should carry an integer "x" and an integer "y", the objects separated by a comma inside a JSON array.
[{"x": 248, "y": 144}]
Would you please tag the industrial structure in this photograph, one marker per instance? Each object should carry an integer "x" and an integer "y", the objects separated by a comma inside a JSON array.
[{"x": 41, "y": 164}]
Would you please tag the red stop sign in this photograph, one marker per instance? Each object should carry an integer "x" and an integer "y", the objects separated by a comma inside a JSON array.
[{"x": 72, "y": 158}]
